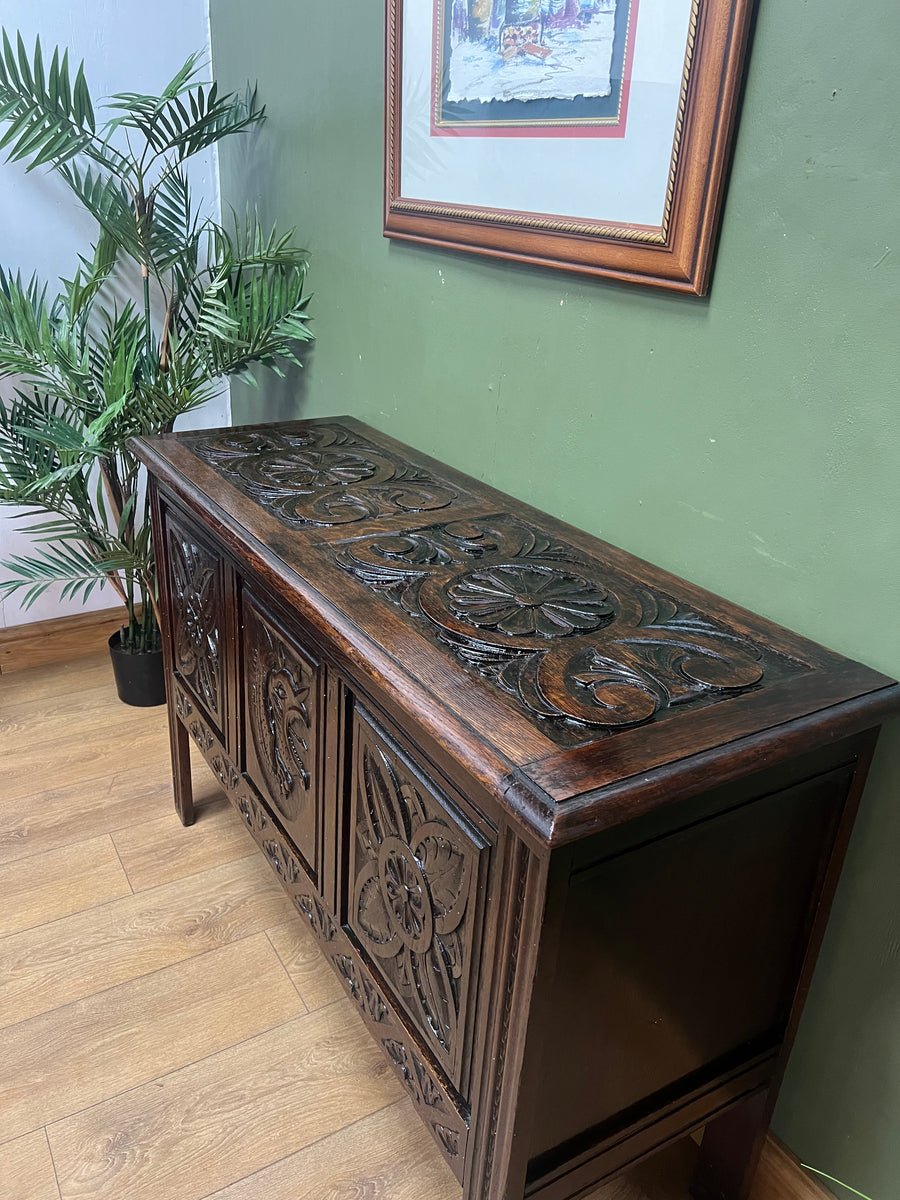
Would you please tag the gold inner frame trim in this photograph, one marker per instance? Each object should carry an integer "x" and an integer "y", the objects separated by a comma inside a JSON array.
[{"x": 624, "y": 233}]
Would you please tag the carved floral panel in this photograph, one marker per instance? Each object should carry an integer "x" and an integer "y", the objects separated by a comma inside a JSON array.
[
  {"x": 583, "y": 648},
  {"x": 282, "y": 710},
  {"x": 321, "y": 475},
  {"x": 197, "y": 617},
  {"x": 414, "y": 874}
]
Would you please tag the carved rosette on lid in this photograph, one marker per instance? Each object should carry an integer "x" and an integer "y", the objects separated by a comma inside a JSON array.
[
  {"x": 322, "y": 475},
  {"x": 582, "y": 647},
  {"x": 415, "y": 875},
  {"x": 196, "y": 618}
]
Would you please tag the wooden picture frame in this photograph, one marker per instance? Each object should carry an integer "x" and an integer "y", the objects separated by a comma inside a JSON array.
[{"x": 487, "y": 151}]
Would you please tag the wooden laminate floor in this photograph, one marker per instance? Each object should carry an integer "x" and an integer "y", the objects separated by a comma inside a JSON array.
[{"x": 168, "y": 1028}]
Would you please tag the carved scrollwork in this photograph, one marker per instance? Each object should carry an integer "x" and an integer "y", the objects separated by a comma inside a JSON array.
[
  {"x": 281, "y": 700},
  {"x": 227, "y": 772},
  {"x": 448, "y": 1126},
  {"x": 322, "y": 475},
  {"x": 361, "y": 988},
  {"x": 320, "y": 919},
  {"x": 448, "y": 1138},
  {"x": 414, "y": 873},
  {"x": 575, "y": 642},
  {"x": 202, "y": 736},
  {"x": 183, "y": 706},
  {"x": 415, "y": 1075},
  {"x": 282, "y": 860},
  {"x": 197, "y": 618},
  {"x": 253, "y": 813}
]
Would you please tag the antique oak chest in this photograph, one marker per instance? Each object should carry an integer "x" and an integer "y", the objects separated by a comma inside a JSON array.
[{"x": 567, "y": 827}]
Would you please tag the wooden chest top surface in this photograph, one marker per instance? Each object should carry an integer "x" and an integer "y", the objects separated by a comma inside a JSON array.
[{"x": 581, "y": 676}]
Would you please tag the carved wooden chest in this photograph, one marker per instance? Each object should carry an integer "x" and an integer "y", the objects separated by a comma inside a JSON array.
[{"x": 566, "y": 826}]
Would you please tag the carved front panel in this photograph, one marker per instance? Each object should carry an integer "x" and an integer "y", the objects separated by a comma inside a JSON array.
[
  {"x": 583, "y": 648},
  {"x": 441, "y": 1110},
  {"x": 322, "y": 475},
  {"x": 197, "y": 616},
  {"x": 413, "y": 893},
  {"x": 281, "y": 685}
]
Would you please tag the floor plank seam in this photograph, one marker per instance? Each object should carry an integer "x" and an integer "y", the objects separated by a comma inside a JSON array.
[
  {"x": 121, "y": 864},
  {"x": 81, "y": 784},
  {"x": 300, "y": 995},
  {"x": 304, "y": 1149},
  {"x": 157, "y": 1079},
  {"x": 146, "y": 894},
  {"x": 52, "y": 1161},
  {"x": 123, "y": 982},
  {"x": 22, "y": 858}
]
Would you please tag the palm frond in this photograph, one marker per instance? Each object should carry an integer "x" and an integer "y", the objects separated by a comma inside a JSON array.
[
  {"x": 259, "y": 317},
  {"x": 110, "y": 202},
  {"x": 251, "y": 244},
  {"x": 79, "y": 570},
  {"x": 35, "y": 343},
  {"x": 187, "y": 117},
  {"x": 176, "y": 230},
  {"x": 50, "y": 119}
]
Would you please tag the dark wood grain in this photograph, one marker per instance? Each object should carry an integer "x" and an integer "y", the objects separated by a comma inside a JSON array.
[{"x": 567, "y": 828}]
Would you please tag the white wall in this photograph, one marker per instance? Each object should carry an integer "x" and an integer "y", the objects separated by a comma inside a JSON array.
[{"x": 126, "y": 46}]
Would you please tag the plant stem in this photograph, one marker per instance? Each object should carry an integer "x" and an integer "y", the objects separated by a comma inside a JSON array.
[
  {"x": 146, "y": 277},
  {"x": 831, "y": 1178}
]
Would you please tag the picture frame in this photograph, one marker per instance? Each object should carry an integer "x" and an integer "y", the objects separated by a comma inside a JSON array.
[{"x": 592, "y": 136}]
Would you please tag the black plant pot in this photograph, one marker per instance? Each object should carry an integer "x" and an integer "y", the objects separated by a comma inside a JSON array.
[{"x": 140, "y": 680}]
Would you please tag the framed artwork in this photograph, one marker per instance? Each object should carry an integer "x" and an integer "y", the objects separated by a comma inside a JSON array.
[{"x": 590, "y": 135}]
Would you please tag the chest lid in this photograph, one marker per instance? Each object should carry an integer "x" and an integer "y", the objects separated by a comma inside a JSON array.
[{"x": 564, "y": 665}]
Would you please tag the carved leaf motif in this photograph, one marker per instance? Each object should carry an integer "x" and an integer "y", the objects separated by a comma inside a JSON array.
[
  {"x": 323, "y": 476},
  {"x": 448, "y": 1138},
  {"x": 429, "y": 1090},
  {"x": 226, "y": 771},
  {"x": 632, "y": 652},
  {"x": 618, "y": 690},
  {"x": 374, "y": 1005},
  {"x": 280, "y": 691},
  {"x": 415, "y": 1075},
  {"x": 411, "y": 892},
  {"x": 373, "y": 916},
  {"x": 382, "y": 794},
  {"x": 202, "y": 736},
  {"x": 252, "y": 813},
  {"x": 196, "y": 605},
  {"x": 282, "y": 860},
  {"x": 318, "y": 916},
  {"x": 447, "y": 872},
  {"x": 434, "y": 985}
]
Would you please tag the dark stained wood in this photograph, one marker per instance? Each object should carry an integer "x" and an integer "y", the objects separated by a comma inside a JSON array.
[
  {"x": 567, "y": 827},
  {"x": 730, "y": 1150}
]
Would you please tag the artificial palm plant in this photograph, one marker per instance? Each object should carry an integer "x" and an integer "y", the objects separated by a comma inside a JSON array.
[{"x": 91, "y": 369}]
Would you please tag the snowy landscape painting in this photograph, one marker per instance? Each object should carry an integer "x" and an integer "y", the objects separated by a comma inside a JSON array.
[
  {"x": 527, "y": 62},
  {"x": 531, "y": 49}
]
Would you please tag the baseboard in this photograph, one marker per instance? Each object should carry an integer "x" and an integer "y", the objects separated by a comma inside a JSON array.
[
  {"x": 781, "y": 1177},
  {"x": 59, "y": 640}
]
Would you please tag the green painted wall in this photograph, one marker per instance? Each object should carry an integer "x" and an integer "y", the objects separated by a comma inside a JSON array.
[{"x": 749, "y": 442}]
